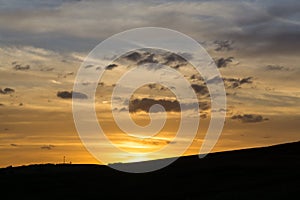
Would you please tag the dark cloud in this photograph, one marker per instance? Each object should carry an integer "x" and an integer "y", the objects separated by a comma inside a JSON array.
[
  {"x": 152, "y": 86},
  {"x": 223, "y": 45},
  {"x": 13, "y": 145},
  {"x": 200, "y": 89},
  {"x": 134, "y": 56},
  {"x": 223, "y": 62},
  {"x": 196, "y": 77},
  {"x": 234, "y": 82},
  {"x": 204, "y": 105},
  {"x": 70, "y": 95},
  {"x": 149, "y": 59},
  {"x": 157, "y": 56},
  {"x": 246, "y": 80},
  {"x": 249, "y": 118},
  {"x": 47, "y": 147},
  {"x": 156, "y": 86},
  {"x": 276, "y": 68},
  {"x": 7, "y": 91},
  {"x": 174, "y": 60},
  {"x": 20, "y": 67},
  {"x": 111, "y": 66},
  {"x": 145, "y": 104}
]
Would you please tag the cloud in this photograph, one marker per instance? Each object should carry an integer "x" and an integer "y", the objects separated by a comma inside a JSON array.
[
  {"x": 20, "y": 67},
  {"x": 145, "y": 104},
  {"x": 149, "y": 59},
  {"x": 7, "y": 91},
  {"x": 14, "y": 145},
  {"x": 223, "y": 45},
  {"x": 174, "y": 60},
  {"x": 70, "y": 95},
  {"x": 196, "y": 77},
  {"x": 200, "y": 89},
  {"x": 111, "y": 66},
  {"x": 249, "y": 118},
  {"x": 265, "y": 26},
  {"x": 223, "y": 62},
  {"x": 156, "y": 86},
  {"x": 47, "y": 147},
  {"x": 150, "y": 56},
  {"x": 235, "y": 83},
  {"x": 276, "y": 68},
  {"x": 156, "y": 142},
  {"x": 134, "y": 56}
]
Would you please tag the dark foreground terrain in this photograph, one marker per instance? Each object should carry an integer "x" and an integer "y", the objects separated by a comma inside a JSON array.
[{"x": 260, "y": 173}]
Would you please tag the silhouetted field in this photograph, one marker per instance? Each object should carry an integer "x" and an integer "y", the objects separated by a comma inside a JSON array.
[{"x": 259, "y": 173}]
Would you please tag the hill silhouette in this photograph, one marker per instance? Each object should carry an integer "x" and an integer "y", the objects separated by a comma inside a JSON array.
[{"x": 257, "y": 173}]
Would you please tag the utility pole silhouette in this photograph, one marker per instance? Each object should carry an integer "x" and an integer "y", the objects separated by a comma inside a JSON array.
[{"x": 64, "y": 160}]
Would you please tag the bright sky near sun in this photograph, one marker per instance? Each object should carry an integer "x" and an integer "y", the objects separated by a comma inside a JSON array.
[{"x": 255, "y": 45}]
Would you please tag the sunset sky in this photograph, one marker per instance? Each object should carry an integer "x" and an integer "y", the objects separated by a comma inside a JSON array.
[{"x": 255, "y": 44}]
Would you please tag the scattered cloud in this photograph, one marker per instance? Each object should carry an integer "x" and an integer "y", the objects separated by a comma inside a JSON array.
[
  {"x": 149, "y": 59},
  {"x": 7, "y": 91},
  {"x": 134, "y": 56},
  {"x": 174, "y": 60},
  {"x": 70, "y": 95},
  {"x": 156, "y": 86},
  {"x": 236, "y": 82},
  {"x": 200, "y": 89},
  {"x": 111, "y": 66},
  {"x": 145, "y": 104},
  {"x": 249, "y": 118},
  {"x": 20, "y": 67},
  {"x": 223, "y": 62},
  {"x": 196, "y": 77},
  {"x": 223, "y": 45}
]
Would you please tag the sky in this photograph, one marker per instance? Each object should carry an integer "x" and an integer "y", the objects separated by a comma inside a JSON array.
[{"x": 254, "y": 43}]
